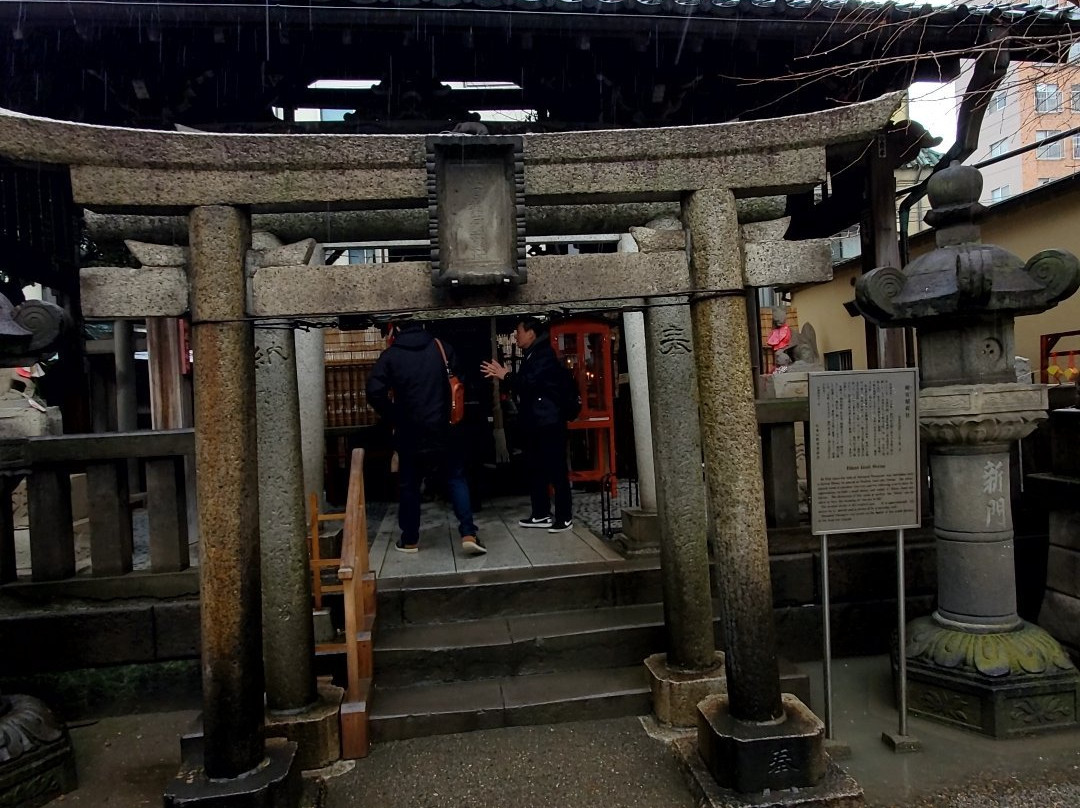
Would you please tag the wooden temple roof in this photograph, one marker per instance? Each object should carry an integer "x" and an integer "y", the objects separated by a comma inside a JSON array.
[{"x": 226, "y": 64}]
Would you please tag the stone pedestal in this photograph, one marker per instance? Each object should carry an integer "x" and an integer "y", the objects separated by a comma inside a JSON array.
[
  {"x": 40, "y": 763},
  {"x": 836, "y": 789},
  {"x": 751, "y": 757},
  {"x": 640, "y": 534},
  {"x": 676, "y": 693},
  {"x": 274, "y": 783},
  {"x": 316, "y": 730},
  {"x": 20, "y": 419},
  {"x": 1013, "y": 704},
  {"x": 789, "y": 384}
]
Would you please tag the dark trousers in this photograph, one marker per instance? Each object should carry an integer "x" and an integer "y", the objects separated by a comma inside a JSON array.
[
  {"x": 545, "y": 454},
  {"x": 443, "y": 465}
]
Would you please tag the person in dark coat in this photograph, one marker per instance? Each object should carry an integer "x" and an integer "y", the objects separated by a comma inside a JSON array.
[
  {"x": 540, "y": 384},
  {"x": 408, "y": 387}
]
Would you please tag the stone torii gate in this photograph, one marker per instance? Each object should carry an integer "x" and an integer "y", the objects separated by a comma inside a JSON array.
[{"x": 698, "y": 355}]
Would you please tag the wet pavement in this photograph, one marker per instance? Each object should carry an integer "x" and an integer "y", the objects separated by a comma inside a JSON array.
[
  {"x": 955, "y": 769},
  {"x": 612, "y": 763},
  {"x": 126, "y": 761}
]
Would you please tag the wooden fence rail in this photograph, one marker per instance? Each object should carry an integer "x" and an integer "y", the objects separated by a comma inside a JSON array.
[{"x": 47, "y": 464}]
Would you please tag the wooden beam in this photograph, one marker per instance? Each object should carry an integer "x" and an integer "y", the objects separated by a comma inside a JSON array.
[{"x": 91, "y": 447}]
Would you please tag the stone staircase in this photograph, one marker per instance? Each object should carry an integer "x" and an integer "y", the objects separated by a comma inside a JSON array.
[{"x": 466, "y": 651}]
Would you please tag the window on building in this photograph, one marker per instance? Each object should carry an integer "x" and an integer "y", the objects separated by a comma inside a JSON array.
[
  {"x": 1047, "y": 98},
  {"x": 838, "y": 360},
  {"x": 999, "y": 147},
  {"x": 1075, "y": 99},
  {"x": 1051, "y": 151},
  {"x": 1076, "y": 147},
  {"x": 998, "y": 194},
  {"x": 997, "y": 101}
]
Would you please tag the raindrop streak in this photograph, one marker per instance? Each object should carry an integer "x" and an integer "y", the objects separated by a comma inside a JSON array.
[{"x": 267, "y": 30}]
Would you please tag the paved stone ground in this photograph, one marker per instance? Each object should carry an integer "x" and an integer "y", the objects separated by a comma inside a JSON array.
[
  {"x": 610, "y": 763},
  {"x": 955, "y": 769},
  {"x": 127, "y": 760}
]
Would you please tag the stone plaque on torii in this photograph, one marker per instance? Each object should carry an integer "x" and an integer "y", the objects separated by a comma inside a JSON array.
[{"x": 753, "y": 738}]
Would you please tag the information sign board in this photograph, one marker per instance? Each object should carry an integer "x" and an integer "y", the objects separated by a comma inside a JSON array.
[{"x": 864, "y": 450}]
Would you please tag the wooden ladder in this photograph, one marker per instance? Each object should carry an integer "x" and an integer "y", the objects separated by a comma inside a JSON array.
[
  {"x": 318, "y": 563},
  {"x": 358, "y": 589}
]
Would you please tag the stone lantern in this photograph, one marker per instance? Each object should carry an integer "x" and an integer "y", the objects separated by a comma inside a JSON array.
[
  {"x": 974, "y": 663},
  {"x": 37, "y": 761}
]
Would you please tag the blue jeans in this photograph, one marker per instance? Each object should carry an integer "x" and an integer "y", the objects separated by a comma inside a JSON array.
[{"x": 445, "y": 465}]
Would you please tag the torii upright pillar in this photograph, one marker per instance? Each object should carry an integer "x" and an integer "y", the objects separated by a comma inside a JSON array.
[
  {"x": 235, "y": 757},
  {"x": 753, "y": 738}
]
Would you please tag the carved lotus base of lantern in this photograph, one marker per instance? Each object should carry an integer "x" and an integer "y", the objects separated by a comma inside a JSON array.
[
  {"x": 969, "y": 414},
  {"x": 1002, "y": 684},
  {"x": 37, "y": 763}
]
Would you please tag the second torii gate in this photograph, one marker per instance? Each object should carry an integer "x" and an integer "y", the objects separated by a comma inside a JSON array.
[{"x": 698, "y": 342}]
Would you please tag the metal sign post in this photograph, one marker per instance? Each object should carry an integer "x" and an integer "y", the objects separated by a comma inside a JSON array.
[
  {"x": 826, "y": 635},
  {"x": 864, "y": 475},
  {"x": 901, "y": 632}
]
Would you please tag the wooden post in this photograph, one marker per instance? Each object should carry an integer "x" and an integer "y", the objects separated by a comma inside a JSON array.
[
  {"x": 781, "y": 475},
  {"x": 110, "y": 518},
  {"x": 168, "y": 393},
  {"x": 7, "y": 531},
  {"x": 171, "y": 399},
  {"x": 127, "y": 418},
  {"x": 52, "y": 544},
  {"x": 166, "y": 507},
  {"x": 885, "y": 344}
]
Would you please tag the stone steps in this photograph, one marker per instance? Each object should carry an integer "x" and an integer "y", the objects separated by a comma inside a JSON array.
[
  {"x": 499, "y": 648},
  {"x": 518, "y": 645},
  {"x": 503, "y": 592},
  {"x": 547, "y": 698}
]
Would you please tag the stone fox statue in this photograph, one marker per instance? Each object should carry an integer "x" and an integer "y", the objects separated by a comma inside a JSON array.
[{"x": 801, "y": 353}]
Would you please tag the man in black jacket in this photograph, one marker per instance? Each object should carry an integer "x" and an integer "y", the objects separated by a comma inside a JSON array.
[
  {"x": 409, "y": 388},
  {"x": 540, "y": 385}
]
